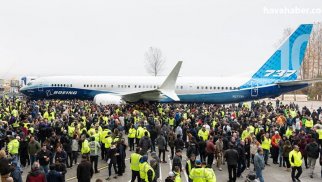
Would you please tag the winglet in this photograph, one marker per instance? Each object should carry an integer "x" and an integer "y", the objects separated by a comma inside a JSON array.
[{"x": 169, "y": 84}]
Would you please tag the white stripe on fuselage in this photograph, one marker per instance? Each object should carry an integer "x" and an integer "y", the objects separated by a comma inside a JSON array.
[{"x": 123, "y": 85}]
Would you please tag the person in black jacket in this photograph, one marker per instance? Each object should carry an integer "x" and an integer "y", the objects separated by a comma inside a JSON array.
[
  {"x": 312, "y": 151},
  {"x": 241, "y": 158},
  {"x": 84, "y": 170},
  {"x": 231, "y": 156},
  {"x": 44, "y": 158},
  {"x": 53, "y": 175},
  {"x": 67, "y": 146},
  {"x": 202, "y": 149},
  {"x": 177, "y": 160}
]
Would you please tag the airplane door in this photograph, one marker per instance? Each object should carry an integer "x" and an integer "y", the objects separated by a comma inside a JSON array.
[
  {"x": 254, "y": 89},
  {"x": 40, "y": 87}
]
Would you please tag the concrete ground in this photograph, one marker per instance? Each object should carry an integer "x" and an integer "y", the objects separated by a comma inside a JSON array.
[{"x": 271, "y": 173}]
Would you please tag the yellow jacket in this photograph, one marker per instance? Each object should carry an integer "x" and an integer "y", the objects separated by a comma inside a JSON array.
[
  {"x": 13, "y": 147},
  {"x": 295, "y": 158}
]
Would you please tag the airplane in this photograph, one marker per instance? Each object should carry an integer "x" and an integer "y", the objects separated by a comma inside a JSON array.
[{"x": 277, "y": 76}]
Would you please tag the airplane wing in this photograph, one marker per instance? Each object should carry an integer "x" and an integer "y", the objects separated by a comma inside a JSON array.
[
  {"x": 166, "y": 89},
  {"x": 299, "y": 82}
]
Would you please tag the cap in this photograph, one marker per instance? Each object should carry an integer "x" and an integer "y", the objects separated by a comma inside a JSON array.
[
  {"x": 276, "y": 132},
  {"x": 171, "y": 174},
  {"x": 198, "y": 162}
]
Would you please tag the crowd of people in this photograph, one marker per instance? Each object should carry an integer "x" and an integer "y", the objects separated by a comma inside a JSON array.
[{"x": 51, "y": 135}]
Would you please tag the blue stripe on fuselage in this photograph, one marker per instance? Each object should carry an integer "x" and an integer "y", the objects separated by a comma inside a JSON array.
[{"x": 236, "y": 95}]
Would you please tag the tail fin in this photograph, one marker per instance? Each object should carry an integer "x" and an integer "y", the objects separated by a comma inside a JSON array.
[{"x": 285, "y": 63}]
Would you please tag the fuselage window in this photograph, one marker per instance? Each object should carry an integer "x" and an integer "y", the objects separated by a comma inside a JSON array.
[
  {"x": 112, "y": 86},
  {"x": 91, "y": 85},
  {"x": 197, "y": 87},
  {"x": 226, "y": 88},
  {"x": 201, "y": 87},
  {"x": 210, "y": 88},
  {"x": 222, "y": 88},
  {"x": 139, "y": 86},
  {"x": 155, "y": 86},
  {"x": 230, "y": 88},
  {"x": 181, "y": 87},
  {"x": 134, "y": 86},
  {"x": 129, "y": 86},
  {"x": 206, "y": 87}
]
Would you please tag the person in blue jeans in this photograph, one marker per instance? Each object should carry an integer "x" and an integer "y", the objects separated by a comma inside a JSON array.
[{"x": 259, "y": 164}]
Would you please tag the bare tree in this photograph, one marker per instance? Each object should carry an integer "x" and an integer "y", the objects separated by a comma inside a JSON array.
[
  {"x": 154, "y": 61},
  {"x": 286, "y": 33}
]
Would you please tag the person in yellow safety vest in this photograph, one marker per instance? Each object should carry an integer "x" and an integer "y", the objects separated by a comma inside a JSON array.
[
  {"x": 309, "y": 124},
  {"x": 295, "y": 158},
  {"x": 85, "y": 146},
  {"x": 103, "y": 140},
  {"x": 319, "y": 131},
  {"x": 177, "y": 177},
  {"x": 171, "y": 121},
  {"x": 147, "y": 173},
  {"x": 13, "y": 147},
  {"x": 214, "y": 123},
  {"x": 14, "y": 112},
  {"x": 245, "y": 133},
  {"x": 145, "y": 130},
  {"x": 139, "y": 134},
  {"x": 266, "y": 145},
  {"x": 71, "y": 130},
  {"x": 131, "y": 136},
  {"x": 199, "y": 174},
  {"x": 134, "y": 162},
  {"x": 108, "y": 144},
  {"x": 190, "y": 164},
  {"x": 210, "y": 172},
  {"x": 203, "y": 133},
  {"x": 91, "y": 131},
  {"x": 251, "y": 129},
  {"x": 46, "y": 115},
  {"x": 289, "y": 132},
  {"x": 95, "y": 135}
]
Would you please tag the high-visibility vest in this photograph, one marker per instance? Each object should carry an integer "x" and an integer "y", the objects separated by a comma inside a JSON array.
[
  {"x": 135, "y": 161},
  {"x": 132, "y": 133},
  {"x": 71, "y": 131},
  {"x": 251, "y": 129},
  {"x": 93, "y": 145},
  {"x": 256, "y": 131},
  {"x": 97, "y": 137},
  {"x": 295, "y": 158},
  {"x": 245, "y": 134},
  {"x": 266, "y": 144},
  {"x": 139, "y": 133},
  {"x": 147, "y": 167},
  {"x": 177, "y": 177},
  {"x": 171, "y": 121},
  {"x": 189, "y": 166},
  {"x": 85, "y": 147},
  {"x": 13, "y": 147},
  {"x": 203, "y": 134},
  {"x": 198, "y": 175},
  {"x": 320, "y": 134},
  {"x": 108, "y": 142},
  {"x": 288, "y": 133},
  {"x": 142, "y": 171},
  {"x": 211, "y": 175},
  {"x": 309, "y": 124}
]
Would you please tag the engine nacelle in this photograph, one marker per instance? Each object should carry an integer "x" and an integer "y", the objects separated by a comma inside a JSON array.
[{"x": 106, "y": 99}]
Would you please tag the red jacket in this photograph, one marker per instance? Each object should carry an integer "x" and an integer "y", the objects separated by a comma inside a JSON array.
[
  {"x": 210, "y": 147},
  {"x": 36, "y": 176},
  {"x": 275, "y": 140}
]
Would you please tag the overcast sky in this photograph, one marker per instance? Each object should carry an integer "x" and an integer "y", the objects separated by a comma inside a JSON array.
[{"x": 100, "y": 37}]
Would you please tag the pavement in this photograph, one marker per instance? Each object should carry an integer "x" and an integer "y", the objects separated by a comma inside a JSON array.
[{"x": 271, "y": 173}]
